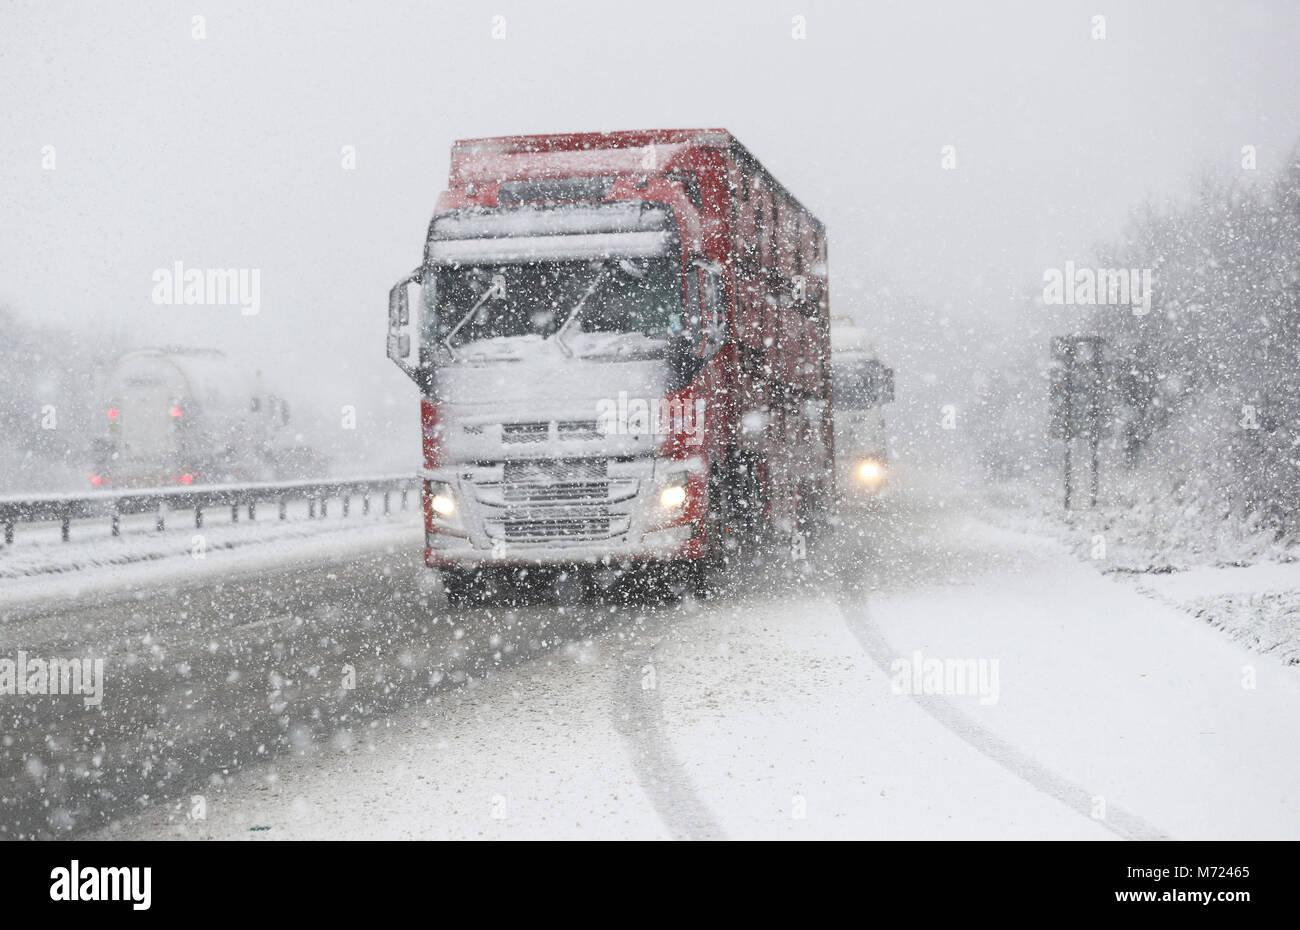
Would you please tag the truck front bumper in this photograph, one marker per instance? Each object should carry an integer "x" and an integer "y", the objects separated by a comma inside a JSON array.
[
  {"x": 596, "y": 512},
  {"x": 673, "y": 544}
]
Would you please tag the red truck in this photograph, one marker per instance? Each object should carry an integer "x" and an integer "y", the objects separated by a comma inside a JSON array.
[{"x": 621, "y": 342}]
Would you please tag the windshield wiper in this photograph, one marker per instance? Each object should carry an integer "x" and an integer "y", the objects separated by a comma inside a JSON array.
[
  {"x": 573, "y": 314},
  {"x": 493, "y": 288}
]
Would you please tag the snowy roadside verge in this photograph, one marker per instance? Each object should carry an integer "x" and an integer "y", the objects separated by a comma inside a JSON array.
[
  {"x": 1245, "y": 584},
  {"x": 40, "y": 572},
  {"x": 1256, "y": 605}
]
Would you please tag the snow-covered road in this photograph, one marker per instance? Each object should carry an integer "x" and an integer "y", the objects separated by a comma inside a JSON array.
[{"x": 1075, "y": 705}]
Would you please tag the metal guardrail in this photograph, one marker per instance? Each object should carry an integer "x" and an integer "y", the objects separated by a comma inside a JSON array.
[{"x": 116, "y": 504}]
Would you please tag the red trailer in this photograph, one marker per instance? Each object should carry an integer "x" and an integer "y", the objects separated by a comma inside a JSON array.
[{"x": 622, "y": 345}]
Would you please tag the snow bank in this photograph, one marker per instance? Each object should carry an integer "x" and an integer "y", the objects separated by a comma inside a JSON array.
[
  {"x": 38, "y": 568},
  {"x": 1156, "y": 533}
]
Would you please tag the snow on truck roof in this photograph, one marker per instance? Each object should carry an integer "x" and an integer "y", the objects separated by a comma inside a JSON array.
[
  {"x": 500, "y": 159},
  {"x": 847, "y": 338},
  {"x": 563, "y": 155},
  {"x": 628, "y": 144}
]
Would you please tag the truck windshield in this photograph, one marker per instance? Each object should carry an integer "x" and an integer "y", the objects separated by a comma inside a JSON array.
[
  {"x": 856, "y": 383},
  {"x": 604, "y": 307}
]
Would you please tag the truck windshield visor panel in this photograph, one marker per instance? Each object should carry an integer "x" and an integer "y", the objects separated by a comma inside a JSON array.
[
  {"x": 532, "y": 248},
  {"x": 508, "y": 222}
]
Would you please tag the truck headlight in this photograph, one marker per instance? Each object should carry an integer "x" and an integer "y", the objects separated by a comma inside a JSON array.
[
  {"x": 673, "y": 496},
  {"x": 672, "y": 489},
  {"x": 870, "y": 471},
  {"x": 442, "y": 502}
]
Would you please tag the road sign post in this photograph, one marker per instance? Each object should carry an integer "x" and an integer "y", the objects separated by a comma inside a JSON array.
[{"x": 1078, "y": 399}]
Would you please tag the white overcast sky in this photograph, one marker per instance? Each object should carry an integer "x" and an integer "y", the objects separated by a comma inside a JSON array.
[{"x": 225, "y": 152}]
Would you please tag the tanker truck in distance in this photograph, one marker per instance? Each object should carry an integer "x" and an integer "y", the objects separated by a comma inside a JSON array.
[
  {"x": 181, "y": 415},
  {"x": 621, "y": 342}
]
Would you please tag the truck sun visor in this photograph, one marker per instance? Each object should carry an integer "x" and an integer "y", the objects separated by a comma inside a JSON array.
[
  {"x": 539, "y": 248},
  {"x": 540, "y": 220},
  {"x": 530, "y": 233}
]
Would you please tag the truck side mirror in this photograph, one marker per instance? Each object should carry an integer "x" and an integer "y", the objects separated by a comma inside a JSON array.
[
  {"x": 399, "y": 325},
  {"x": 713, "y": 318},
  {"x": 706, "y": 330},
  {"x": 399, "y": 348},
  {"x": 808, "y": 294},
  {"x": 705, "y": 295},
  {"x": 399, "y": 307}
]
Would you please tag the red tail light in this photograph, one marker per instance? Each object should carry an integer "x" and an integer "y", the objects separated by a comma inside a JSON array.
[
  {"x": 176, "y": 413},
  {"x": 96, "y": 480},
  {"x": 112, "y": 413}
]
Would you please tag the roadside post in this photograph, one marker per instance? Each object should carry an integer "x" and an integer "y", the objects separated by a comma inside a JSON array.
[{"x": 1078, "y": 403}]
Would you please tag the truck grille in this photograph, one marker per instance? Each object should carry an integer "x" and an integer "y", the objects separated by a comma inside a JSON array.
[
  {"x": 556, "y": 524},
  {"x": 525, "y": 432},
  {"x": 570, "y": 528},
  {"x": 577, "y": 429},
  {"x": 540, "y": 431},
  {"x": 521, "y": 492},
  {"x": 556, "y": 470},
  {"x": 557, "y": 481},
  {"x": 555, "y": 500}
]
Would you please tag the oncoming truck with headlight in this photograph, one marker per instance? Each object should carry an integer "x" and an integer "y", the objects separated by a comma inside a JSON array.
[
  {"x": 862, "y": 386},
  {"x": 621, "y": 342}
]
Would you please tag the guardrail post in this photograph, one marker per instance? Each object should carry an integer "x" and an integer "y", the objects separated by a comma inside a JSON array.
[
  {"x": 234, "y": 513},
  {"x": 347, "y": 504},
  {"x": 198, "y": 517},
  {"x": 67, "y": 527},
  {"x": 403, "y": 498},
  {"x": 324, "y": 507},
  {"x": 162, "y": 517},
  {"x": 117, "y": 523},
  {"x": 365, "y": 503},
  {"x": 386, "y": 502},
  {"x": 9, "y": 533},
  {"x": 311, "y": 508},
  {"x": 284, "y": 510},
  {"x": 252, "y": 510}
]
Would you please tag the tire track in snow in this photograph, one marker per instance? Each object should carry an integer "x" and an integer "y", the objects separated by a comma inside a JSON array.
[
  {"x": 1080, "y": 800},
  {"x": 638, "y": 718}
]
